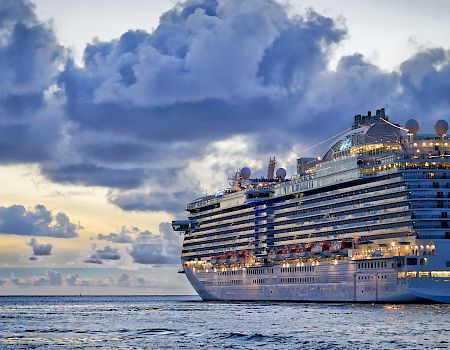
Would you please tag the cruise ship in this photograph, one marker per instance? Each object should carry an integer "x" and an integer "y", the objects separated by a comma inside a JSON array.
[{"x": 367, "y": 222}]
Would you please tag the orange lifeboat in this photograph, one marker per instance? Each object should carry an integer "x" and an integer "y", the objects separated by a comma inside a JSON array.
[{"x": 285, "y": 253}]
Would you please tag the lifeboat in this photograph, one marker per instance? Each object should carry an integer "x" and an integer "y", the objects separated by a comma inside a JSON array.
[
  {"x": 228, "y": 256},
  {"x": 285, "y": 253},
  {"x": 300, "y": 251},
  {"x": 294, "y": 251},
  {"x": 273, "y": 255},
  {"x": 221, "y": 259},
  {"x": 317, "y": 248},
  {"x": 233, "y": 258},
  {"x": 307, "y": 249},
  {"x": 336, "y": 246},
  {"x": 242, "y": 256},
  {"x": 326, "y": 249}
]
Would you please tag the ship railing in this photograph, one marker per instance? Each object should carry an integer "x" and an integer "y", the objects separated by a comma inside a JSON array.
[
  {"x": 202, "y": 203},
  {"x": 358, "y": 187},
  {"x": 440, "y": 216},
  {"x": 340, "y": 209},
  {"x": 337, "y": 218},
  {"x": 381, "y": 171},
  {"x": 340, "y": 200},
  {"x": 366, "y": 225},
  {"x": 243, "y": 246},
  {"x": 224, "y": 215},
  {"x": 415, "y": 195},
  {"x": 245, "y": 226},
  {"x": 227, "y": 221},
  {"x": 228, "y": 236},
  {"x": 389, "y": 255}
]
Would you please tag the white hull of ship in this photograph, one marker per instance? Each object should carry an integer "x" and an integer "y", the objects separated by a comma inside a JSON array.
[{"x": 341, "y": 282}]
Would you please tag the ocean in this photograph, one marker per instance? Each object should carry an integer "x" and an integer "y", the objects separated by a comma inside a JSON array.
[{"x": 186, "y": 322}]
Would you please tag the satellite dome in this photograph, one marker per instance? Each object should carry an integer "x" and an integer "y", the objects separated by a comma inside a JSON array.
[
  {"x": 281, "y": 173},
  {"x": 245, "y": 173},
  {"x": 413, "y": 126},
  {"x": 441, "y": 127}
]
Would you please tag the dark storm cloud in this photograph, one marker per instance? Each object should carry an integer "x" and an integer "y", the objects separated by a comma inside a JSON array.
[
  {"x": 38, "y": 221},
  {"x": 29, "y": 59},
  {"x": 425, "y": 81},
  {"x": 208, "y": 71},
  {"x": 173, "y": 202},
  {"x": 153, "y": 249},
  {"x": 94, "y": 175},
  {"x": 143, "y": 107},
  {"x": 40, "y": 249}
]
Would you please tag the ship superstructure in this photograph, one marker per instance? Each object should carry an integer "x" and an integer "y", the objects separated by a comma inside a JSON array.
[{"x": 366, "y": 222}]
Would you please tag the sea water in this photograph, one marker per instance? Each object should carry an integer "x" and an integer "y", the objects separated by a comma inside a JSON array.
[{"x": 149, "y": 322}]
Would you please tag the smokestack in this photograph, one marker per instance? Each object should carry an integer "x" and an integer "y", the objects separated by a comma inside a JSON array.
[{"x": 271, "y": 168}]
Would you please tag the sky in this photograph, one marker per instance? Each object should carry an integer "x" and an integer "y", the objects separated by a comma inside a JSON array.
[{"x": 114, "y": 114}]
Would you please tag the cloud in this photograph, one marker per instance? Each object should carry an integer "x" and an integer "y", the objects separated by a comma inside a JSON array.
[
  {"x": 152, "y": 249},
  {"x": 94, "y": 175},
  {"x": 138, "y": 200},
  {"x": 146, "y": 247},
  {"x": 124, "y": 280},
  {"x": 76, "y": 280},
  {"x": 100, "y": 255},
  {"x": 40, "y": 249},
  {"x": 52, "y": 278},
  {"x": 38, "y": 221},
  {"x": 124, "y": 236},
  {"x": 93, "y": 260},
  {"x": 211, "y": 69},
  {"x": 102, "y": 278},
  {"x": 146, "y": 106},
  {"x": 29, "y": 59}
]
